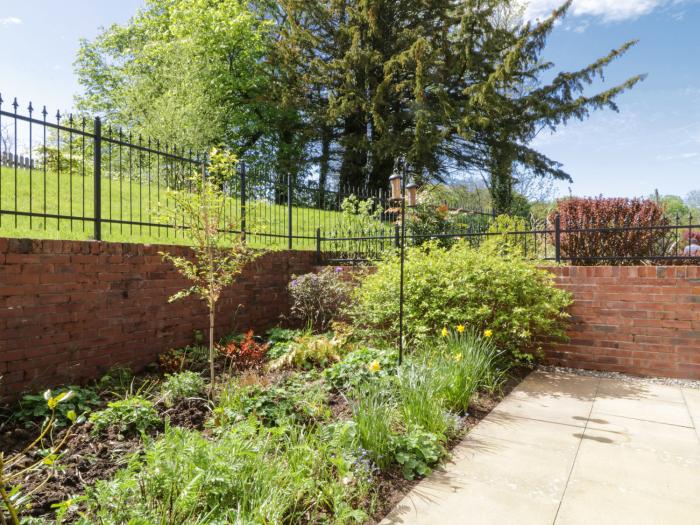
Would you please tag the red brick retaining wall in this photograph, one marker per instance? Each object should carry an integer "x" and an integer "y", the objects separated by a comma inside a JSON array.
[
  {"x": 71, "y": 309},
  {"x": 642, "y": 320}
]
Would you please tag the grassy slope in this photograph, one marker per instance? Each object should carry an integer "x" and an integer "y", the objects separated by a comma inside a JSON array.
[{"x": 130, "y": 201}]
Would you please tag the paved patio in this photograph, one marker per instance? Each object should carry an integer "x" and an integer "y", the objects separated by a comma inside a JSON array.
[{"x": 570, "y": 449}]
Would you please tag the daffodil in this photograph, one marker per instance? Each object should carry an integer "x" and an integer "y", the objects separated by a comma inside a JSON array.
[
  {"x": 488, "y": 333},
  {"x": 460, "y": 328},
  {"x": 374, "y": 366},
  {"x": 457, "y": 357},
  {"x": 444, "y": 332}
]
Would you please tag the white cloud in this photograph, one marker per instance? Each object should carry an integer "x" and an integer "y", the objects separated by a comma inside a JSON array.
[
  {"x": 609, "y": 10},
  {"x": 10, "y": 21}
]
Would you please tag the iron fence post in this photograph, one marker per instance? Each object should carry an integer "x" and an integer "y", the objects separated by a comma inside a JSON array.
[
  {"x": 97, "y": 175},
  {"x": 396, "y": 236},
  {"x": 557, "y": 238},
  {"x": 243, "y": 204},
  {"x": 318, "y": 245},
  {"x": 289, "y": 211}
]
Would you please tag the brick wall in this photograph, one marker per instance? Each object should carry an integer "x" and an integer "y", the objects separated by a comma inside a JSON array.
[
  {"x": 70, "y": 309},
  {"x": 642, "y": 320}
]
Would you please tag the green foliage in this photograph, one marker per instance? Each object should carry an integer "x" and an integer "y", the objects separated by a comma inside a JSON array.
[
  {"x": 133, "y": 414},
  {"x": 462, "y": 364},
  {"x": 421, "y": 401},
  {"x": 360, "y": 366},
  {"x": 311, "y": 351},
  {"x": 33, "y": 409},
  {"x": 181, "y": 386},
  {"x": 460, "y": 286},
  {"x": 246, "y": 475},
  {"x": 359, "y": 215},
  {"x": 502, "y": 240},
  {"x": 189, "y": 357},
  {"x": 374, "y": 414},
  {"x": 293, "y": 401},
  {"x": 318, "y": 297},
  {"x": 279, "y": 339},
  {"x": 117, "y": 378},
  {"x": 416, "y": 452},
  {"x": 34, "y": 458},
  {"x": 218, "y": 259}
]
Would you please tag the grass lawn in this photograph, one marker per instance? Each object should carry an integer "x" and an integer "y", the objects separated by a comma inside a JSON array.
[{"x": 122, "y": 200}]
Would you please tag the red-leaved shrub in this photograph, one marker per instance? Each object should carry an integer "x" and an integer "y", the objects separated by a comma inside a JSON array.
[
  {"x": 247, "y": 353},
  {"x": 593, "y": 230}
]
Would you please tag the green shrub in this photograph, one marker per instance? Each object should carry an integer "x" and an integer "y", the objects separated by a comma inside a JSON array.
[
  {"x": 416, "y": 452},
  {"x": 181, "y": 386},
  {"x": 127, "y": 415},
  {"x": 279, "y": 339},
  {"x": 511, "y": 297},
  {"x": 360, "y": 366},
  {"x": 503, "y": 241},
  {"x": 32, "y": 408}
]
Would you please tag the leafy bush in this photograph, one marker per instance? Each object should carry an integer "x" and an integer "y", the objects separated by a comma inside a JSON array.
[
  {"x": 360, "y": 366},
  {"x": 318, "y": 297},
  {"x": 127, "y": 415},
  {"x": 246, "y": 353},
  {"x": 181, "y": 386},
  {"x": 310, "y": 351},
  {"x": 511, "y": 297},
  {"x": 416, "y": 451},
  {"x": 33, "y": 408},
  {"x": 592, "y": 213}
]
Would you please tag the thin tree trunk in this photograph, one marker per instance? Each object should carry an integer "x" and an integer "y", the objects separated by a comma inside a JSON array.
[{"x": 212, "y": 313}]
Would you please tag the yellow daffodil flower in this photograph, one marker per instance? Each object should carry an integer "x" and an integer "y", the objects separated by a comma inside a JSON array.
[
  {"x": 444, "y": 332},
  {"x": 488, "y": 333},
  {"x": 457, "y": 357},
  {"x": 374, "y": 366},
  {"x": 460, "y": 328}
]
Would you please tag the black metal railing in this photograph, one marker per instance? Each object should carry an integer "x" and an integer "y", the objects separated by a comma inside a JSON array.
[
  {"x": 73, "y": 177},
  {"x": 673, "y": 242}
]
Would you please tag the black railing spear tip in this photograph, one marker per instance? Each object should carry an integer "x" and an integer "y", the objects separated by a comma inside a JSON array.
[
  {"x": 30, "y": 108},
  {"x": 15, "y": 104},
  {"x": 44, "y": 112}
]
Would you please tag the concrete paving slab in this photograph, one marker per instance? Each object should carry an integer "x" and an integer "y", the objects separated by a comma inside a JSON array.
[{"x": 568, "y": 449}]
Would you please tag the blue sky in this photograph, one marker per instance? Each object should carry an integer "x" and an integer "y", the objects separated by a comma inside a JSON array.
[{"x": 654, "y": 142}]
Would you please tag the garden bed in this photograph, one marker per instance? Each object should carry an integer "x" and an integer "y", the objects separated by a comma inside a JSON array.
[{"x": 87, "y": 457}]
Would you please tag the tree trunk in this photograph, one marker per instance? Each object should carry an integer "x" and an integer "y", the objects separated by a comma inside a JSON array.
[
  {"x": 324, "y": 164},
  {"x": 501, "y": 188}
]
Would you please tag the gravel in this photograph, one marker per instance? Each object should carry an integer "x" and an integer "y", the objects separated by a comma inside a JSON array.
[{"x": 685, "y": 383}]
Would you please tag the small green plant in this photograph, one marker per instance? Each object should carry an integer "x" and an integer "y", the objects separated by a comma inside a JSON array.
[
  {"x": 317, "y": 298},
  {"x": 419, "y": 404},
  {"x": 177, "y": 387},
  {"x": 416, "y": 451},
  {"x": 178, "y": 359},
  {"x": 311, "y": 351},
  {"x": 33, "y": 409},
  {"x": 297, "y": 399},
  {"x": 15, "y": 467},
  {"x": 360, "y": 366},
  {"x": 463, "y": 363},
  {"x": 133, "y": 414},
  {"x": 374, "y": 414},
  {"x": 117, "y": 378}
]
